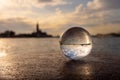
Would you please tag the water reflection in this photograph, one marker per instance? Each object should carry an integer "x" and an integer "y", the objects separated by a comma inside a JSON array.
[
  {"x": 31, "y": 59},
  {"x": 5, "y": 63},
  {"x": 3, "y": 48},
  {"x": 76, "y": 70},
  {"x": 2, "y": 54}
]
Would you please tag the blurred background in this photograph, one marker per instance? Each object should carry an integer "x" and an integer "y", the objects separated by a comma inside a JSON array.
[
  {"x": 29, "y": 39},
  {"x": 55, "y": 16}
]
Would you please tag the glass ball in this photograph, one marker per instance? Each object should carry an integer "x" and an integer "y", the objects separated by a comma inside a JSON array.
[{"x": 76, "y": 43}]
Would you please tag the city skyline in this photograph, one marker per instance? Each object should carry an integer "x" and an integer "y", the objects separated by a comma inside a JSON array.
[
  {"x": 38, "y": 33},
  {"x": 55, "y": 16}
]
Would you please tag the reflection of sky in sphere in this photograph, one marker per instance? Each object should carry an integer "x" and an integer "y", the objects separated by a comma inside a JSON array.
[
  {"x": 76, "y": 43},
  {"x": 76, "y": 35}
]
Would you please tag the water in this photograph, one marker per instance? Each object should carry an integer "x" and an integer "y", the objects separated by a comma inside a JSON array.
[
  {"x": 76, "y": 43},
  {"x": 41, "y": 59}
]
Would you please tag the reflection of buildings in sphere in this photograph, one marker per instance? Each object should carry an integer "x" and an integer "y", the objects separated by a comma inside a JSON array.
[
  {"x": 76, "y": 51},
  {"x": 74, "y": 70},
  {"x": 76, "y": 43}
]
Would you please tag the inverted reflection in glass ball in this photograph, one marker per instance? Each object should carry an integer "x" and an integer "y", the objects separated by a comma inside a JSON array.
[{"x": 76, "y": 43}]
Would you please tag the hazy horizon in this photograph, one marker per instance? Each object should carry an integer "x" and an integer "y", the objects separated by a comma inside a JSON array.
[{"x": 55, "y": 16}]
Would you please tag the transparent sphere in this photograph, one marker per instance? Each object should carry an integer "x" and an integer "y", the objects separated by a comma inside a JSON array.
[{"x": 76, "y": 43}]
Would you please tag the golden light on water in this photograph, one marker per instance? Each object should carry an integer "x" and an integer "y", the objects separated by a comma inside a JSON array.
[
  {"x": 78, "y": 69},
  {"x": 3, "y": 48},
  {"x": 6, "y": 64},
  {"x": 84, "y": 70},
  {"x": 2, "y": 54},
  {"x": 87, "y": 70}
]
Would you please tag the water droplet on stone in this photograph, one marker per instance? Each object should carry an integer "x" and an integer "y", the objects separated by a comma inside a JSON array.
[{"x": 76, "y": 43}]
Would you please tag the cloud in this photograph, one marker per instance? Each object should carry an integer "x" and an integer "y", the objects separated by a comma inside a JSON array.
[
  {"x": 101, "y": 19},
  {"x": 26, "y": 8},
  {"x": 107, "y": 28},
  {"x": 104, "y": 4},
  {"x": 43, "y": 3},
  {"x": 98, "y": 16},
  {"x": 44, "y": 0},
  {"x": 19, "y": 25}
]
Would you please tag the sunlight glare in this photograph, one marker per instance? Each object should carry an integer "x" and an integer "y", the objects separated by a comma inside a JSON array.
[{"x": 2, "y": 54}]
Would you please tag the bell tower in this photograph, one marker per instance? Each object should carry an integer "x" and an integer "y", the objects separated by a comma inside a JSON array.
[{"x": 37, "y": 28}]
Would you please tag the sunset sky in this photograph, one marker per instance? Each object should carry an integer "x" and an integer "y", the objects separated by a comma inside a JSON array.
[{"x": 55, "y": 16}]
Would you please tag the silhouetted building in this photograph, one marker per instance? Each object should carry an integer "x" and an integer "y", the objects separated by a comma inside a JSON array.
[
  {"x": 107, "y": 35},
  {"x": 37, "y": 28},
  {"x": 7, "y": 34},
  {"x": 39, "y": 33}
]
